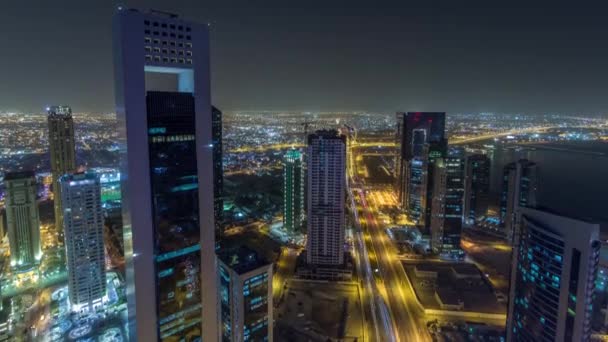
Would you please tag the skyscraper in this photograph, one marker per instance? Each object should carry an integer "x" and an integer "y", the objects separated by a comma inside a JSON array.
[
  {"x": 552, "y": 278},
  {"x": 84, "y": 244},
  {"x": 22, "y": 219},
  {"x": 218, "y": 171},
  {"x": 519, "y": 188},
  {"x": 476, "y": 187},
  {"x": 63, "y": 154},
  {"x": 446, "y": 218},
  {"x": 416, "y": 181},
  {"x": 417, "y": 129},
  {"x": 326, "y": 190},
  {"x": 167, "y": 173},
  {"x": 245, "y": 281},
  {"x": 293, "y": 191}
]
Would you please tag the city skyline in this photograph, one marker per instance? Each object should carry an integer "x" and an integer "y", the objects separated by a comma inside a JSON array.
[
  {"x": 472, "y": 58},
  {"x": 179, "y": 218}
]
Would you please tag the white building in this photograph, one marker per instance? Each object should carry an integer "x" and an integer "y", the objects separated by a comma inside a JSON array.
[
  {"x": 163, "y": 107},
  {"x": 555, "y": 261},
  {"x": 83, "y": 222},
  {"x": 326, "y": 190}
]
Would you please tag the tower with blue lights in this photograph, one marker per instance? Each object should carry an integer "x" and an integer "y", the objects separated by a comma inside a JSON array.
[
  {"x": 554, "y": 266},
  {"x": 163, "y": 107}
]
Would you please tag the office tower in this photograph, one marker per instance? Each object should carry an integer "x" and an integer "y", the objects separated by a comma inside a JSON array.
[
  {"x": 218, "y": 172},
  {"x": 397, "y": 160},
  {"x": 245, "y": 296},
  {"x": 293, "y": 192},
  {"x": 419, "y": 183},
  {"x": 416, "y": 181},
  {"x": 63, "y": 154},
  {"x": 83, "y": 221},
  {"x": 165, "y": 124},
  {"x": 519, "y": 188},
  {"x": 417, "y": 129},
  {"x": 553, "y": 271},
  {"x": 476, "y": 187},
  {"x": 446, "y": 218},
  {"x": 22, "y": 219},
  {"x": 326, "y": 190}
]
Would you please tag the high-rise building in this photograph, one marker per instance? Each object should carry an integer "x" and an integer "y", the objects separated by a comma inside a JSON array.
[
  {"x": 245, "y": 296},
  {"x": 417, "y": 129},
  {"x": 23, "y": 223},
  {"x": 476, "y": 187},
  {"x": 397, "y": 160},
  {"x": 417, "y": 180},
  {"x": 293, "y": 191},
  {"x": 553, "y": 271},
  {"x": 519, "y": 188},
  {"x": 446, "y": 218},
  {"x": 63, "y": 154},
  {"x": 165, "y": 126},
  {"x": 84, "y": 244},
  {"x": 420, "y": 183},
  {"x": 218, "y": 172},
  {"x": 326, "y": 191}
]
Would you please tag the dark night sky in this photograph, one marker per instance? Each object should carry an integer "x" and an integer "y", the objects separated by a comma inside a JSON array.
[{"x": 328, "y": 55}]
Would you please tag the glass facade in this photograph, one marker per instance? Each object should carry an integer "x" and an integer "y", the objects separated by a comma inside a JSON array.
[
  {"x": 477, "y": 187},
  {"x": 293, "y": 192},
  {"x": 225, "y": 298},
  {"x": 416, "y": 182},
  {"x": 255, "y": 294},
  {"x": 454, "y": 169},
  {"x": 538, "y": 283},
  {"x": 174, "y": 184}
]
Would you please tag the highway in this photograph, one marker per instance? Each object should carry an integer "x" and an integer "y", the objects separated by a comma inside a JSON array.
[{"x": 394, "y": 310}]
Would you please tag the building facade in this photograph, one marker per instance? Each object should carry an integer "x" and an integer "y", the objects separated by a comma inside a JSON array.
[
  {"x": 165, "y": 129},
  {"x": 62, "y": 150},
  {"x": 554, "y": 266},
  {"x": 84, "y": 243},
  {"x": 326, "y": 195},
  {"x": 446, "y": 218},
  {"x": 218, "y": 172},
  {"x": 416, "y": 130},
  {"x": 245, "y": 296},
  {"x": 519, "y": 189},
  {"x": 476, "y": 187},
  {"x": 293, "y": 192},
  {"x": 23, "y": 223}
]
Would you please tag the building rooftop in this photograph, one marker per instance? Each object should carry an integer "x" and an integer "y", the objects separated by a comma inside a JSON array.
[
  {"x": 326, "y": 134},
  {"x": 242, "y": 259},
  {"x": 18, "y": 175},
  {"x": 80, "y": 176},
  {"x": 59, "y": 110}
]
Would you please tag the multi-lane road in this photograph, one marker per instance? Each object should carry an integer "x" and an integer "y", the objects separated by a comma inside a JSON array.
[{"x": 395, "y": 314}]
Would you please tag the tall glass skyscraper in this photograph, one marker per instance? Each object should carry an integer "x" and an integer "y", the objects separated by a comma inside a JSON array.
[
  {"x": 476, "y": 187},
  {"x": 23, "y": 223},
  {"x": 446, "y": 218},
  {"x": 293, "y": 191},
  {"x": 554, "y": 266},
  {"x": 416, "y": 130},
  {"x": 165, "y": 121},
  {"x": 62, "y": 149},
  {"x": 84, "y": 244},
  {"x": 519, "y": 189}
]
